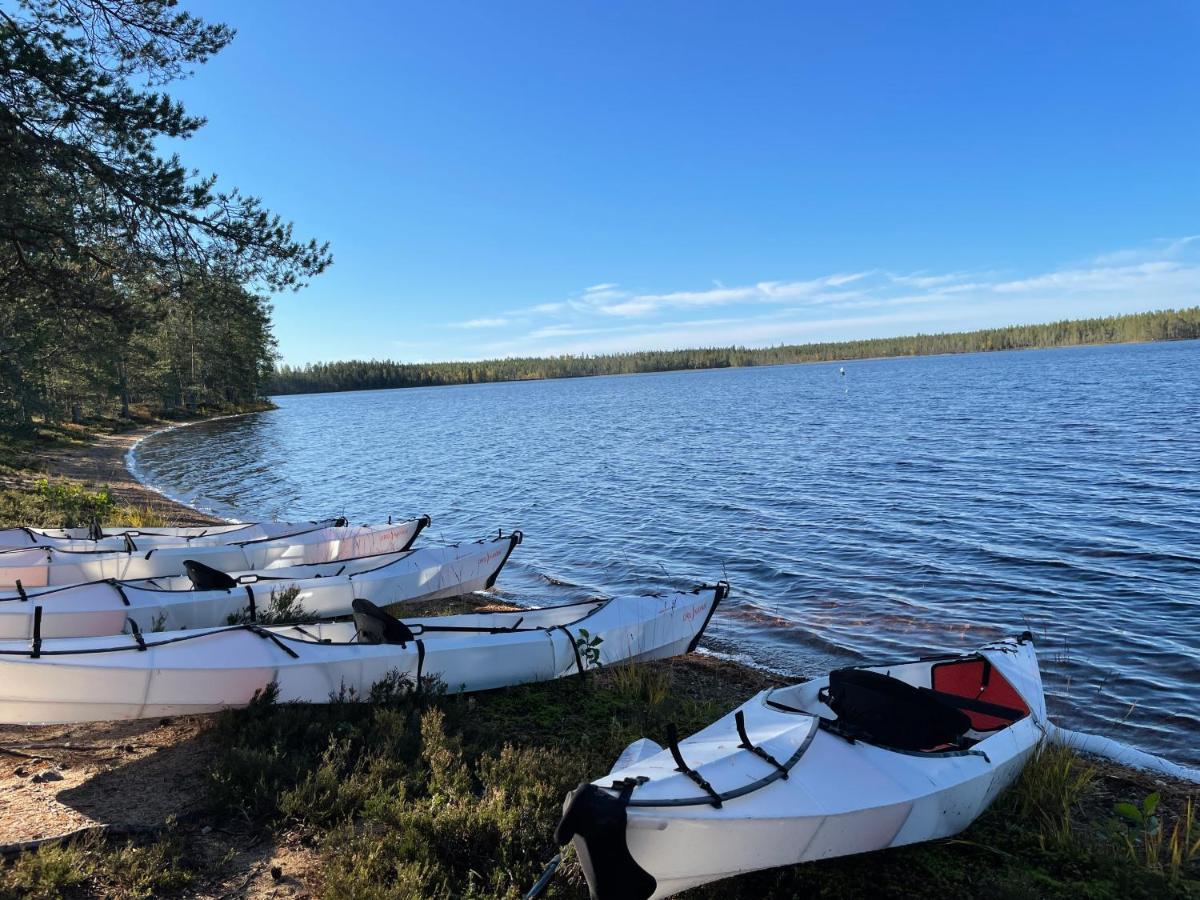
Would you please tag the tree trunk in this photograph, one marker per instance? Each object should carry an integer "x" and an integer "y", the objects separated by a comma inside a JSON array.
[{"x": 123, "y": 385}]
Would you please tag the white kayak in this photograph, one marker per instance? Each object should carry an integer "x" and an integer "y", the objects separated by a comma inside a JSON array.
[
  {"x": 129, "y": 538},
  {"x": 180, "y": 672},
  {"x": 207, "y": 598},
  {"x": 50, "y": 567},
  {"x": 868, "y": 758}
]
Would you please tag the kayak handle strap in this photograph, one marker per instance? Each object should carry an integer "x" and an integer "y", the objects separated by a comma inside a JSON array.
[
  {"x": 36, "y": 650},
  {"x": 739, "y": 719},
  {"x": 681, "y": 766},
  {"x": 274, "y": 638}
]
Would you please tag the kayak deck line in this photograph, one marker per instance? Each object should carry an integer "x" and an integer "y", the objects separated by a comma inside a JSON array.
[
  {"x": 92, "y": 536},
  {"x": 780, "y": 773},
  {"x": 130, "y": 548}
]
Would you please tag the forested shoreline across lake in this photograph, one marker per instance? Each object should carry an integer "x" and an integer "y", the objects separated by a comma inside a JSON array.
[{"x": 363, "y": 375}]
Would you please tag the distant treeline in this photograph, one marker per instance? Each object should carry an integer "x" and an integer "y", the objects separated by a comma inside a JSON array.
[{"x": 358, "y": 375}]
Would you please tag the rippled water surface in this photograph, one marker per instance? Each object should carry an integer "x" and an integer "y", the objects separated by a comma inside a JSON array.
[{"x": 908, "y": 506}]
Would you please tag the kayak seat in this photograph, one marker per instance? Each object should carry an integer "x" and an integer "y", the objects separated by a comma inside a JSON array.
[
  {"x": 878, "y": 709},
  {"x": 206, "y": 578},
  {"x": 980, "y": 691},
  {"x": 378, "y": 627}
]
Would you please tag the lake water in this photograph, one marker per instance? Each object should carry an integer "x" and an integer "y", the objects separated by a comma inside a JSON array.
[{"x": 905, "y": 507}]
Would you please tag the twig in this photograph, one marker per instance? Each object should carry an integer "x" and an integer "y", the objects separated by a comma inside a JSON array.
[
  {"x": 89, "y": 748},
  {"x": 10, "y": 850},
  {"x": 254, "y": 872},
  {"x": 18, "y": 753}
]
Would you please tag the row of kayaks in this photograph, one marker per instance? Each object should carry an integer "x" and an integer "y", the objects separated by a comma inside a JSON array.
[
  {"x": 203, "y": 595},
  {"x": 99, "y": 625},
  {"x": 91, "y": 630}
]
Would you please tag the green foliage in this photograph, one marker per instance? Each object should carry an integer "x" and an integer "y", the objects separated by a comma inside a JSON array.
[
  {"x": 124, "y": 277},
  {"x": 420, "y": 795},
  {"x": 588, "y": 647},
  {"x": 649, "y": 686},
  {"x": 64, "y": 503},
  {"x": 75, "y": 504},
  {"x": 1150, "y": 842},
  {"x": 127, "y": 871},
  {"x": 357, "y": 375},
  {"x": 47, "y": 874}
]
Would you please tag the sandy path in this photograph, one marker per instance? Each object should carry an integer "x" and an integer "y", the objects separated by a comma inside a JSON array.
[
  {"x": 103, "y": 463},
  {"x": 106, "y": 769}
]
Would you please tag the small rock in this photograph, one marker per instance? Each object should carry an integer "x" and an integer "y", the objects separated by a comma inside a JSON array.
[
  {"x": 206, "y": 829},
  {"x": 20, "y": 771},
  {"x": 276, "y": 873},
  {"x": 48, "y": 775}
]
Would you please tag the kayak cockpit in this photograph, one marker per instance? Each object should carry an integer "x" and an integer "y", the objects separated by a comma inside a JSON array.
[{"x": 931, "y": 706}]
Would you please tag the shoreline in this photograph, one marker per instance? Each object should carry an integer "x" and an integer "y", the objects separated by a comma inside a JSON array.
[
  {"x": 105, "y": 462},
  {"x": 130, "y": 468}
]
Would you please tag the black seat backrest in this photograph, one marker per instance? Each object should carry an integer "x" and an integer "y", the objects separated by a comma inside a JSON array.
[
  {"x": 206, "y": 578},
  {"x": 378, "y": 627},
  {"x": 882, "y": 710}
]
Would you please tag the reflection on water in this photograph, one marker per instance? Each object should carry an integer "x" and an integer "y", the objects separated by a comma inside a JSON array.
[{"x": 912, "y": 505}]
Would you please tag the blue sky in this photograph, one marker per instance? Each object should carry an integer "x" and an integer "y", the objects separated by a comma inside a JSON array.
[{"x": 541, "y": 177}]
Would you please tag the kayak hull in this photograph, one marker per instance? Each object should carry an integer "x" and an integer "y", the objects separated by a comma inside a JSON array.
[
  {"x": 324, "y": 591},
  {"x": 105, "y": 678},
  {"x": 123, "y": 538},
  {"x": 50, "y": 567}
]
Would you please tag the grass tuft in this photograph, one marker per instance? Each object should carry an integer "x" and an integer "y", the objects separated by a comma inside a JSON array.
[{"x": 1050, "y": 792}]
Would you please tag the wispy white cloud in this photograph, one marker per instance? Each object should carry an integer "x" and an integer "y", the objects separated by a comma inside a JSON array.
[
  {"x": 923, "y": 280},
  {"x": 1158, "y": 249},
  {"x": 1101, "y": 278},
  {"x": 609, "y": 300},
  {"x": 607, "y": 317}
]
